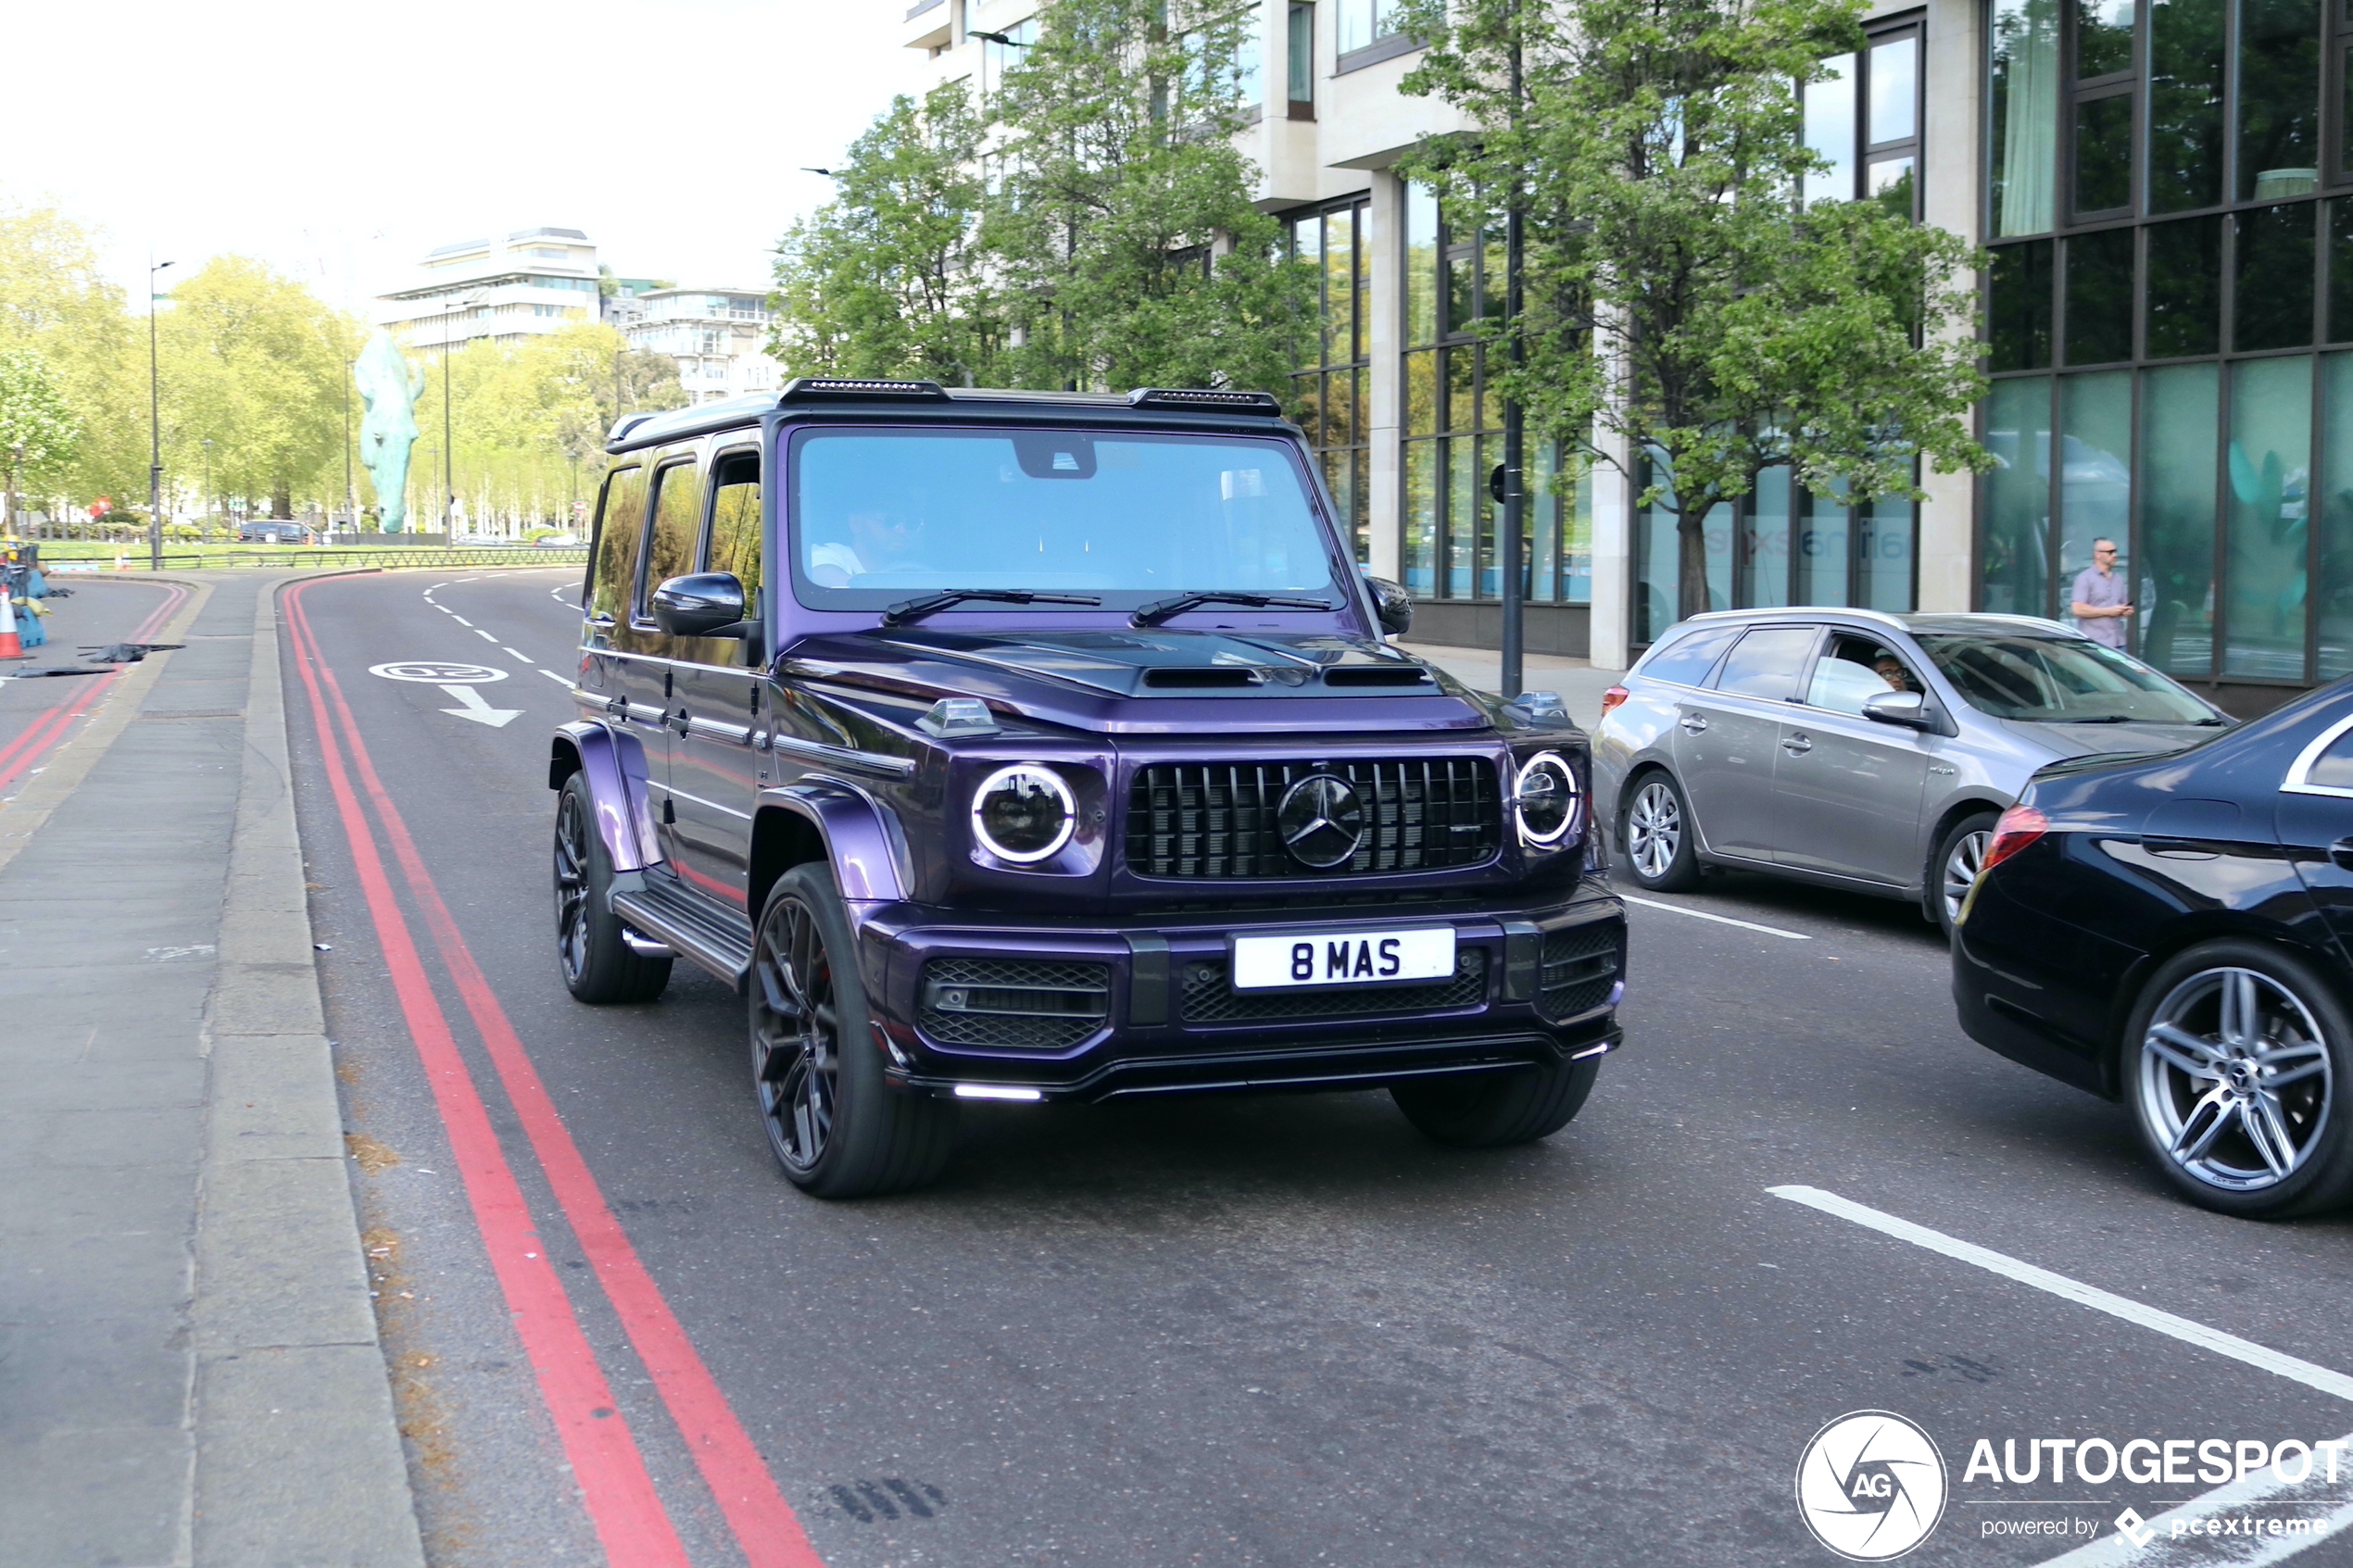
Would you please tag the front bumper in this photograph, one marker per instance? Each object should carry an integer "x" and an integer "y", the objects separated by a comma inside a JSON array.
[{"x": 1152, "y": 1011}]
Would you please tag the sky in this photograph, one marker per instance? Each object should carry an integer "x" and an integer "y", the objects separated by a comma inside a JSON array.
[{"x": 339, "y": 143}]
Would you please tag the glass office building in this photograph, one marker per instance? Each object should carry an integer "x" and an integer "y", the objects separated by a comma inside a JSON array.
[{"x": 2168, "y": 203}]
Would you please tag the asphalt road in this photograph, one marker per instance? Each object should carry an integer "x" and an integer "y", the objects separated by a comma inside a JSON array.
[
  {"x": 1264, "y": 1331},
  {"x": 39, "y": 713}
]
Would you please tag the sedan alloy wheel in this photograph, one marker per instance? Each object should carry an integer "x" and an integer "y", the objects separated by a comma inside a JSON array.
[
  {"x": 1963, "y": 860},
  {"x": 1654, "y": 828},
  {"x": 2235, "y": 1079}
]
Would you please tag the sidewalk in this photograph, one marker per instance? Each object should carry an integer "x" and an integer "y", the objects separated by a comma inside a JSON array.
[
  {"x": 1579, "y": 684},
  {"x": 189, "y": 1369}
]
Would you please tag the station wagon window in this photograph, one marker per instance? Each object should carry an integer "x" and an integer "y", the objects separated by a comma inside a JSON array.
[
  {"x": 1131, "y": 516},
  {"x": 619, "y": 524},
  {"x": 1853, "y": 669},
  {"x": 734, "y": 521},
  {"x": 1688, "y": 659},
  {"x": 670, "y": 543},
  {"x": 1767, "y": 662}
]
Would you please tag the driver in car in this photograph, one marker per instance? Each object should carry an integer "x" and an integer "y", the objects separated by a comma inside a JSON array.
[
  {"x": 879, "y": 541},
  {"x": 1891, "y": 670}
]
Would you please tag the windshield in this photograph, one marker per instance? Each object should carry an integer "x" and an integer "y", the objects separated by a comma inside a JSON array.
[
  {"x": 2058, "y": 679},
  {"x": 1128, "y": 516}
]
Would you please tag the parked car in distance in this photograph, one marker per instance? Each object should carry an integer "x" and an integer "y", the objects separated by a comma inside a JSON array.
[
  {"x": 1021, "y": 747},
  {"x": 272, "y": 532},
  {"x": 1858, "y": 749},
  {"x": 2177, "y": 932}
]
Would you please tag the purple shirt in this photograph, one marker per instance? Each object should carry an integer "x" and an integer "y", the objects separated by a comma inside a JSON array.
[{"x": 2101, "y": 589}]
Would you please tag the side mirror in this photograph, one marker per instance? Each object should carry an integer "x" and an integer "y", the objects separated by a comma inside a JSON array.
[
  {"x": 703, "y": 604},
  {"x": 1391, "y": 604},
  {"x": 1909, "y": 709}
]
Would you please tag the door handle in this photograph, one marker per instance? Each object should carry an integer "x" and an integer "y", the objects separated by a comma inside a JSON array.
[
  {"x": 1694, "y": 723},
  {"x": 1797, "y": 746},
  {"x": 2342, "y": 853}
]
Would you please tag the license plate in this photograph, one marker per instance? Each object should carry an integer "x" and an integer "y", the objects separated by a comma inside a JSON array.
[{"x": 1342, "y": 958}]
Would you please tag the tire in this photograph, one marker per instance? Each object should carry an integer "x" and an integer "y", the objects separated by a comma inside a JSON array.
[
  {"x": 599, "y": 965},
  {"x": 836, "y": 1126},
  {"x": 1952, "y": 870},
  {"x": 2236, "y": 1062},
  {"x": 1493, "y": 1110},
  {"x": 1660, "y": 847}
]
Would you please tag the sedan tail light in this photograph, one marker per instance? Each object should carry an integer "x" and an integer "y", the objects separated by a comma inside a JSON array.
[
  {"x": 2020, "y": 826},
  {"x": 1613, "y": 696}
]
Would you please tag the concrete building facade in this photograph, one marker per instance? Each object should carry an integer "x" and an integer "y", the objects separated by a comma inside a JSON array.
[
  {"x": 2167, "y": 191},
  {"x": 503, "y": 289},
  {"x": 718, "y": 337}
]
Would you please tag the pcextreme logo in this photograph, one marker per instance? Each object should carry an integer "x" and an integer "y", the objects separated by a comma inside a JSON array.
[{"x": 1872, "y": 1485}]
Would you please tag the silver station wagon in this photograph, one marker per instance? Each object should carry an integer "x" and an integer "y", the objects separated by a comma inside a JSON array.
[{"x": 1856, "y": 749}]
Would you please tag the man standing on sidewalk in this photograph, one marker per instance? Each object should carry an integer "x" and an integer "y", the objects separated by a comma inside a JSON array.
[{"x": 2101, "y": 600}]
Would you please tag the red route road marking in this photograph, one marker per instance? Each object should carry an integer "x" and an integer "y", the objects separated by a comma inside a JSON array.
[
  {"x": 622, "y": 1502},
  {"x": 32, "y": 743},
  {"x": 762, "y": 1522}
]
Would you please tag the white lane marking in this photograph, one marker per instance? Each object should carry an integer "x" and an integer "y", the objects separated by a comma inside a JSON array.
[
  {"x": 484, "y": 635},
  {"x": 1721, "y": 920},
  {"x": 525, "y": 657},
  {"x": 436, "y": 587},
  {"x": 472, "y": 707},
  {"x": 461, "y": 620},
  {"x": 563, "y": 681},
  {"x": 2114, "y": 1550},
  {"x": 2131, "y": 1311}
]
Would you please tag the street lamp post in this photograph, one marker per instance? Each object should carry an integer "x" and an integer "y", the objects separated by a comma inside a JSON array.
[
  {"x": 207, "y": 473},
  {"x": 1515, "y": 421},
  {"x": 448, "y": 447},
  {"x": 155, "y": 430}
]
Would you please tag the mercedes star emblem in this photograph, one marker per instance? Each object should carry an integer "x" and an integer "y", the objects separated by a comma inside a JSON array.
[{"x": 1321, "y": 821}]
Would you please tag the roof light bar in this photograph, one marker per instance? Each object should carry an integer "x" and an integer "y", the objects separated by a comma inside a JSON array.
[
  {"x": 845, "y": 386},
  {"x": 1203, "y": 397}
]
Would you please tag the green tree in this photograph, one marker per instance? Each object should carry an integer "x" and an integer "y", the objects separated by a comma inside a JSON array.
[
  {"x": 55, "y": 301},
  {"x": 39, "y": 435},
  {"x": 1122, "y": 230},
  {"x": 887, "y": 279},
  {"x": 1680, "y": 295}
]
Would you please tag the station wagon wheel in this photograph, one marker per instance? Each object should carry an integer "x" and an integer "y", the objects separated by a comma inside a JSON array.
[
  {"x": 598, "y": 964},
  {"x": 835, "y": 1124},
  {"x": 1961, "y": 858},
  {"x": 2236, "y": 1051},
  {"x": 1659, "y": 836},
  {"x": 796, "y": 1037}
]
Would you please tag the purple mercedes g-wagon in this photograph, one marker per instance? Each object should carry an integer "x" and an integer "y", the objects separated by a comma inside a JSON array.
[{"x": 1026, "y": 747}]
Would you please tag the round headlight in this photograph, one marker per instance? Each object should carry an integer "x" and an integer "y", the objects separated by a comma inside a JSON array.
[
  {"x": 1024, "y": 813},
  {"x": 1547, "y": 798}
]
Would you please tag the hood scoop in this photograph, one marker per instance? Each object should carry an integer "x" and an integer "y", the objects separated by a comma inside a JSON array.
[
  {"x": 1377, "y": 675},
  {"x": 1198, "y": 677}
]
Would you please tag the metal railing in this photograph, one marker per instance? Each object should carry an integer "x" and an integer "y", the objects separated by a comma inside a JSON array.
[{"x": 347, "y": 555}]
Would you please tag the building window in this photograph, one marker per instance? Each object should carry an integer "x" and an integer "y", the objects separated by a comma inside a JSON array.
[
  {"x": 1300, "y": 60},
  {"x": 1331, "y": 352},
  {"x": 1863, "y": 118},
  {"x": 1453, "y": 433},
  {"x": 2172, "y": 241},
  {"x": 1363, "y": 23}
]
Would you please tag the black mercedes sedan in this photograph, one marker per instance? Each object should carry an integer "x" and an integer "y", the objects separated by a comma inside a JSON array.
[{"x": 2175, "y": 930}]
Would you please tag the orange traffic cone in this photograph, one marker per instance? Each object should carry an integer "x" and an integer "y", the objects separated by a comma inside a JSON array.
[{"x": 11, "y": 645}]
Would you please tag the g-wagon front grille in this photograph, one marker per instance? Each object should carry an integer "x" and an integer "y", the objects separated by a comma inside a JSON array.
[
  {"x": 1209, "y": 996},
  {"x": 1218, "y": 819},
  {"x": 1032, "y": 1004}
]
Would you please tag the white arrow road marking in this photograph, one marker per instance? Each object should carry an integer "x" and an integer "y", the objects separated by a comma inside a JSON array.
[{"x": 478, "y": 711}]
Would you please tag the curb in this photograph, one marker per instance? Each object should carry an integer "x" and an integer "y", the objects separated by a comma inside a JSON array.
[{"x": 298, "y": 1454}]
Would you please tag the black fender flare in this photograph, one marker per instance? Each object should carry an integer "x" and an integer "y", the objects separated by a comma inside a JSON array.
[{"x": 861, "y": 838}]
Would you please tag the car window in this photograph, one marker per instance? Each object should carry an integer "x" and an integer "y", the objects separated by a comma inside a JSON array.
[
  {"x": 1767, "y": 662},
  {"x": 619, "y": 524},
  {"x": 2059, "y": 681},
  {"x": 1687, "y": 659},
  {"x": 734, "y": 521},
  {"x": 2332, "y": 769},
  {"x": 670, "y": 543},
  {"x": 1853, "y": 670}
]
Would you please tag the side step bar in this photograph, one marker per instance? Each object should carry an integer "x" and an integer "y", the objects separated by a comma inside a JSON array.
[{"x": 712, "y": 938}]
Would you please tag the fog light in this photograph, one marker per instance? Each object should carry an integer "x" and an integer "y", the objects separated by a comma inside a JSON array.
[{"x": 995, "y": 1091}]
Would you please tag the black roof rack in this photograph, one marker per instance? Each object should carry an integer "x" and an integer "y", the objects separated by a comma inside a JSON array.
[
  {"x": 1203, "y": 397},
  {"x": 805, "y": 387}
]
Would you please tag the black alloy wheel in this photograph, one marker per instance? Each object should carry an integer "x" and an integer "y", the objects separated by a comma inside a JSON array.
[
  {"x": 834, "y": 1125},
  {"x": 1660, "y": 840},
  {"x": 1494, "y": 1109},
  {"x": 2236, "y": 1062},
  {"x": 599, "y": 966},
  {"x": 1954, "y": 870}
]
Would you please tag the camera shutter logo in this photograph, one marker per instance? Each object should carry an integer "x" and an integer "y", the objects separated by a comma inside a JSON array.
[{"x": 1872, "y": 1485}]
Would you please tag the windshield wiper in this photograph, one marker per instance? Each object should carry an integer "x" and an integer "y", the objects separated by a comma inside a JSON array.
[
  {"x": 1159, "y": 610},
  {"x": 915, "y": 610}
]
